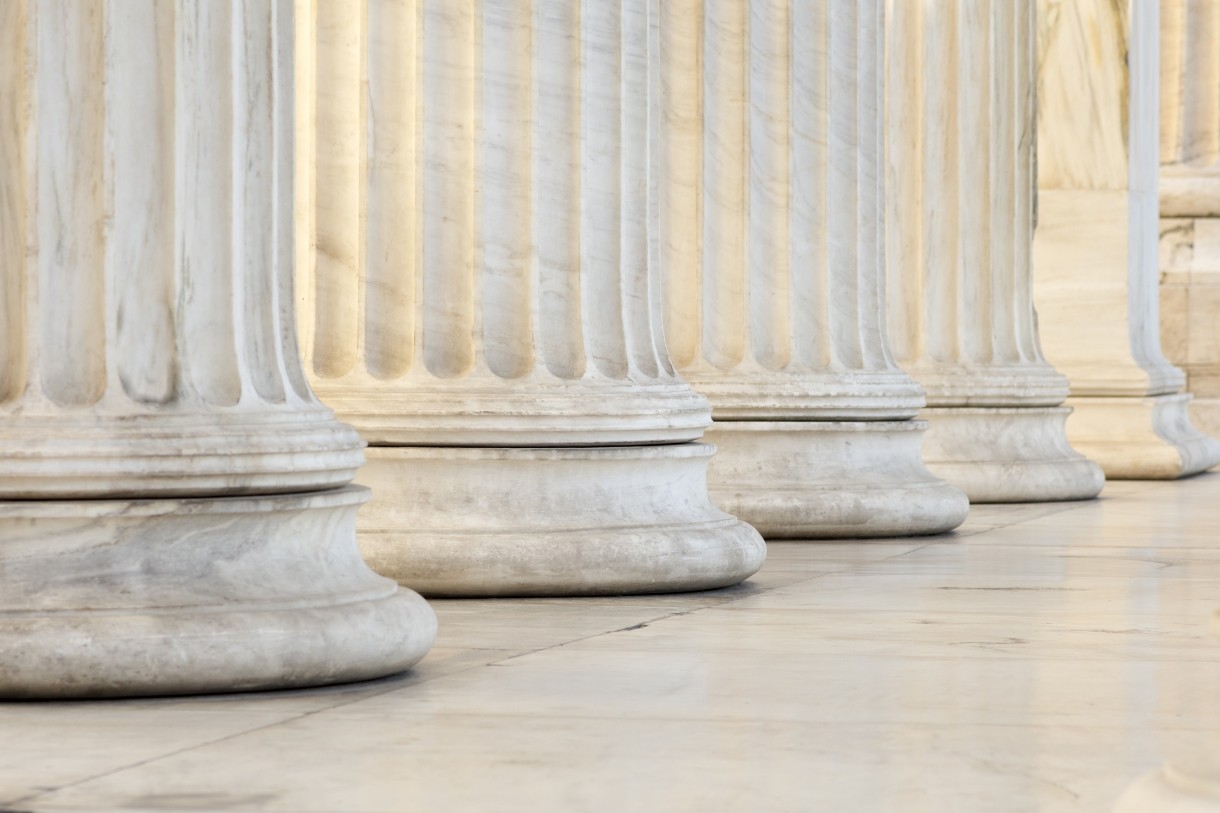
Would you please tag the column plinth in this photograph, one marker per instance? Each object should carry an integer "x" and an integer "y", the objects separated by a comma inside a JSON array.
[
  {"x": 479, "y": 300},
  {"x": 148, "y": 363},
  {"x": 960, "y": 111},
  {"x": 1095, "y": 246},
  {"x": 771, "y": 241}
]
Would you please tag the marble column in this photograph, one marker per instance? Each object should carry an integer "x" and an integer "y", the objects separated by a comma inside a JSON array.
[
  {"x": 175, "y": 514},
  {"x": 771, "y": 242},
  {"x": 960, "y": 140},
  {"x": 1190, "y": 199},
  {"x": 480, "y": 303},
  {"x": 1095, "y": 247}
]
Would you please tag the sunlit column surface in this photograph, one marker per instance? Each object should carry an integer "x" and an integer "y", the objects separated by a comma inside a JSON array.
[
  {"x": 477, "y": 298},
  {"x": 1095, "y": 249},
  {"x": 960, "y": 140},
  {"x": 771, "y": 239},
  {"x": 176, "y": 515},
  {"x": 1190, "y": 199}
]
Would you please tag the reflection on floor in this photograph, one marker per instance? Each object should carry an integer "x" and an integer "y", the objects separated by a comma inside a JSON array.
[{"x": 1039, "y": 659}]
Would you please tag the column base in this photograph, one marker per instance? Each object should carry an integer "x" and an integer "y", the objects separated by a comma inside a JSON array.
[
  {"x": 1190, "y": 789},
  {"x": 162, "y": 597},
  {"x": 1205, "y": 415},
  {"x": 1133, "y": 438},
  {"x": 462, "y": 522},
  {"x": 1008, "y": 454},
  {"x": 830, "y": 479}
]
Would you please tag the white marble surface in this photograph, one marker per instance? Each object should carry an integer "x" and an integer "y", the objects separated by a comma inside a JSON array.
[
  {"x": 147, "y": 345},
  {"x": 960, "y": 107},
  {"x": 478, "y": 298},
  {"x": 1042, "y": 658},
  {"x": 174, "y": 508},
  {"x": 150, "y": 597},
  {"x": 475, "y": 195},
  {"x": 770, "y": 240},
  {"x": 551, "y": 522}
]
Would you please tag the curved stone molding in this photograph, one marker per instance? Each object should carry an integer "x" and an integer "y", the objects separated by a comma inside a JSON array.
[
  {"x": 1190, "y": 199},
  {"x": 146, "y": 335},
  {"x": 551, "y": 522},
  {"x": 1174, "y": 789},
  {"x": 107, "y": 598},
  {"x": 960, "y": 112},
  {"x": 1095, "y": 269},
  {"x": 479, "y": 277},
  {"x": 771, "y": 241},
  {"x": 146, "y": 310}
]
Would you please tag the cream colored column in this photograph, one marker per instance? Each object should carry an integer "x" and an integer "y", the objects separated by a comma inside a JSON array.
[
  {"x": 960, "y": 207},
  {"x": 1190, "y": 199},
  {"x": 174, "y": 508},
  {"x": 1095, "y": 249},
  {"x": 479, "y": 301},
  {"x": 771, "y": 241}
]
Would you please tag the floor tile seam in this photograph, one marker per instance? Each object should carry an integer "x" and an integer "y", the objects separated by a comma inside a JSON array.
[
  {"x": 288, "y": 719},
  {"x": 938, "y": 723},
  {"x": 1054, "y": 508}
]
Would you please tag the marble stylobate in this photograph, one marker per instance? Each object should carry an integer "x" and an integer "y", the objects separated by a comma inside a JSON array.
[
  {"x": 770, "y": 208},
  {"x": 479, "y": 301},
  {"x": 175, "y": 514}
]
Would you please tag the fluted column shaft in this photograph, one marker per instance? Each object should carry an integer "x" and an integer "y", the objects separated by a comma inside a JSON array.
[
  {"x": 1096, "y": 242},
  {"x": 961, "y": 106},
  {"x": 960, "y": 111},
  {"x": 771, "y": 239},
  {"x": 149, "y": 363},
  {"x": 480, "y": 271},
  {"x": 771, "y": 210},
  {"x": 480, "y": 301},
  {"x": 146, "y": 255}
]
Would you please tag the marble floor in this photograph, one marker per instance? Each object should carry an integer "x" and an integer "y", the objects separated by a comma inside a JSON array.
[{"x": 1040, "y": 658}]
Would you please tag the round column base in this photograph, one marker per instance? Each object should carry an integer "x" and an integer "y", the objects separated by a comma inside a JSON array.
[
  {"x": 162, "y": 597},
  {"x": 1008, "y": 454},
  {"x": 1170, "y": 789},
  {"x": 468, "y": 522},
  {"x": 830, "y": 479},
  {"x": 1141, "y": 438}
]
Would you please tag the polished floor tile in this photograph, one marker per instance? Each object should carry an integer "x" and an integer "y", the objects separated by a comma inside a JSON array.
[{"x": 1039, "y": 659}]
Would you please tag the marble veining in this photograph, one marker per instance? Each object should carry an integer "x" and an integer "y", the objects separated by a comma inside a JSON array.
[
  {"x": 1098, "y": 123},
  {"x": 146, "y": 251},
  {"x": 479, "y": 271}
]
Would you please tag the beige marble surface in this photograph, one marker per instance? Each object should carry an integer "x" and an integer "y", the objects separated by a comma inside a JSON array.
[
  {"x": 1041, "y": 658},
  {"x": 1096, "y": 244},
  {"x": 1190, "y": 200}
]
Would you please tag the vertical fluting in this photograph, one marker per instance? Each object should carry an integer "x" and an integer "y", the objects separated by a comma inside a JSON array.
[
  {"x": 146, "y": 250},
  {"x": 1190, "y": 82},
  {"x": 510, "y": 229},
  {"x": 15, "y": 181},
  {"x": 774, "y": 146},
  {"x": 961, "y": 80}
]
